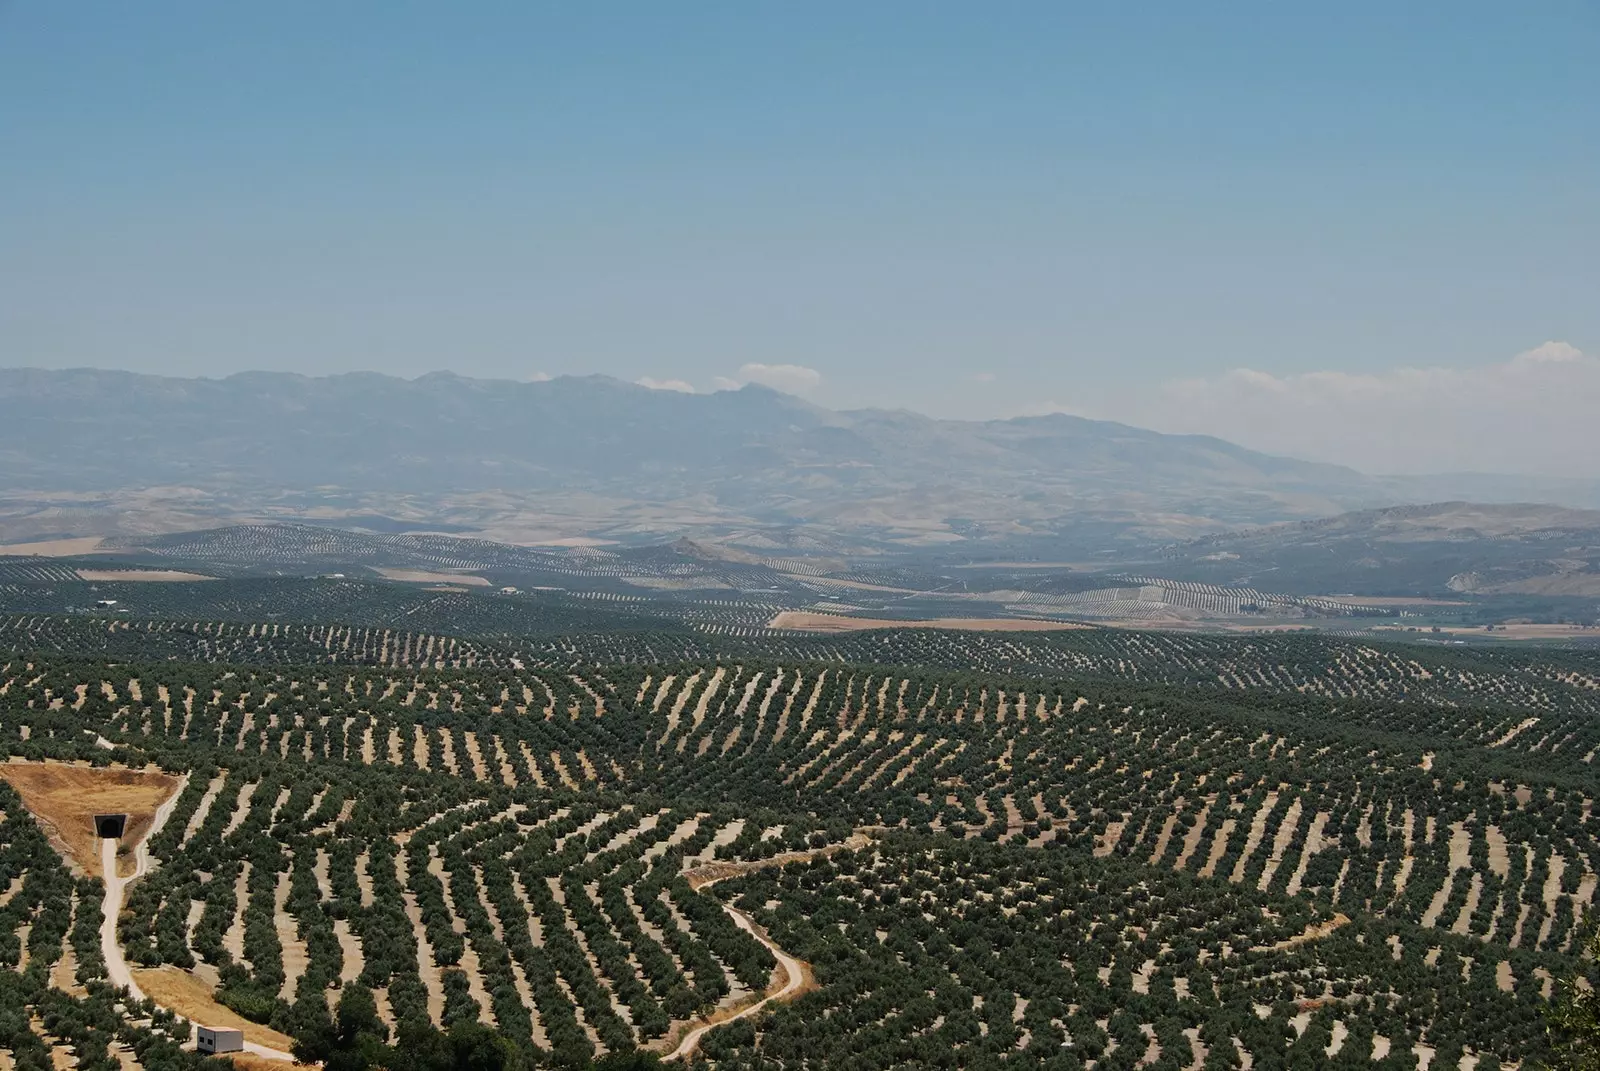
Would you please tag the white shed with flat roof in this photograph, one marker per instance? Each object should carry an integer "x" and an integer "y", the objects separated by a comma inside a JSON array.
[{"x": 214, "y": 1039}]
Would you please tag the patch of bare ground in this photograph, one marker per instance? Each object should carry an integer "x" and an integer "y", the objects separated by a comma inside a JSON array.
[
  {"x": 352, "y": 959},
  {"x": 1280, "y": 844},
  {"x": 470, "y": 965},
  {"x": 807, "y": 621},
  {"x": 1191, "y": 836},
  {"x": 706, "y": 874},
  {"x": 364, "y": 879},
  {"x": 1258, "y": 827},
  {"x": 1108, "y": 840},
  {"x": 1314, "y": 932},
  {"x": 426, "y": 967},
  {"x": 64, "y": 975},
  {"x": 295, "y": 956},
  {"x": 1219, "y": 845},
  {"x": 169, "y": 576},
  {"x": 233, "y": 939},
  {"x": 1314, "y": 844},
  {"x": 1162, "y": 838},
  {"x": 65, "y": 797},
  {"x": 1499, "y": 851},
  {"x": 54, "y": 548},
  {"x": 191, "y": 998},
  {"x": 418, "y": 576},
  {"x": 480, "y": 769},
  {"x": 213, "y": 787},
  {"x": 1474, "y": 895},
  {"x": 249, "y": 1061}
]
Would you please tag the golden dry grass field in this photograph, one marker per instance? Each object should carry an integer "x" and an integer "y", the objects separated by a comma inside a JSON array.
[
  {"x": 192, "y": 998},
  {"x": 65, "y": 797}
]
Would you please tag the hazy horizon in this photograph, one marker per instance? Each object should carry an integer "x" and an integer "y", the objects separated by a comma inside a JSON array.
[
  {"x": 1550, "y": 481},
  {"x": 1366, "y": 240}
]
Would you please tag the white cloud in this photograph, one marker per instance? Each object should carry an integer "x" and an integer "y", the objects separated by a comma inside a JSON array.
[
  {"x": 682, "y": 386},
  {"x": 1537, "y": 413},
  {"x": 724, "y": 383},
  {"x": 791, "y": 378},
  {"x": 538, "y": 377}
]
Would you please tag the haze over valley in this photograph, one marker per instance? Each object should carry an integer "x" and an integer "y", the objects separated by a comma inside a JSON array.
[{"x": 592, "y": 485}]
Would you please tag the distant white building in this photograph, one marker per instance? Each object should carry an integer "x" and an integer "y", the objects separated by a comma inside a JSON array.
[{"x": 216, "y": 1039}]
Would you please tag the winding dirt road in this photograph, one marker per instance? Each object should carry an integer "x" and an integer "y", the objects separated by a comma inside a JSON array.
[
  {"x": 796, "y": 972},
  {"x": 116, "y": 885},
  {"x": 111, "y": 907}
]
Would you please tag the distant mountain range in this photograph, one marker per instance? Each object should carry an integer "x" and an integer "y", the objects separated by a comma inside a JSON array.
[{"x": 595, "y": 455}]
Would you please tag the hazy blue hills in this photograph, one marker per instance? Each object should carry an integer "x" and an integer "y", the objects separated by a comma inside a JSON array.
[{"x": 747, "y": 456}]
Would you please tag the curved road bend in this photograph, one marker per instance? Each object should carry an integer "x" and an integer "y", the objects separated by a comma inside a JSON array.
[
  {"x": 111, "y": 907},
  {"x": 792, "y": 968}
]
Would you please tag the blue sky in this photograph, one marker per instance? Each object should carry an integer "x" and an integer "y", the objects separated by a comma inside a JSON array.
[{"x": 967, "y": 209}]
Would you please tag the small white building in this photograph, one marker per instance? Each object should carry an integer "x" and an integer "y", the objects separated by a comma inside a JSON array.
[{"x": 217, "y": 1039}]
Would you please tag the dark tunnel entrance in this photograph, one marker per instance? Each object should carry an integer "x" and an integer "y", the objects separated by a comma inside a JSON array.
[{"x": 110, "y": 826}]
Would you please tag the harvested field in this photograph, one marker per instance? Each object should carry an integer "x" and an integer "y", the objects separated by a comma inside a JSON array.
[
  {"x": 806, "y": 621},
  {"x": 419, "y": 576},
  {"x": 153, "y": 575},
  {"x": 55, "y": 548},
  {"x": 191, "y": 998},
  {"x": 64, "y": 798}
]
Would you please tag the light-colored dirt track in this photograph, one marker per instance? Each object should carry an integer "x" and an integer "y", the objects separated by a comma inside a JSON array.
[
  {"x": 806, "y": 621},
  {"x": 169, "y": 987},
  {"x": 116, "y": 884},
  {"x": 795, "y": 977}
]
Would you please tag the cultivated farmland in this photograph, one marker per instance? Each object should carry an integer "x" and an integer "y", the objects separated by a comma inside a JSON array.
[{"x": 1081, "y": 849}]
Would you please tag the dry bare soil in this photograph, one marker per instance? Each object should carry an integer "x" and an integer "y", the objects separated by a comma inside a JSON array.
[
  {"x": 64, "y": 798},
  {"x": 418, "y": 576},
  {"x": 148, "y": 575},
  {"x": 191, "y": 998},
  {"x": 55, "y": 548},
  {"x": 805, "y": 621}
]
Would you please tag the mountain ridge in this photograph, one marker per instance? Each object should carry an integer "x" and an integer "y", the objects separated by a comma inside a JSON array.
[{"x": 597, "y": 451}]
